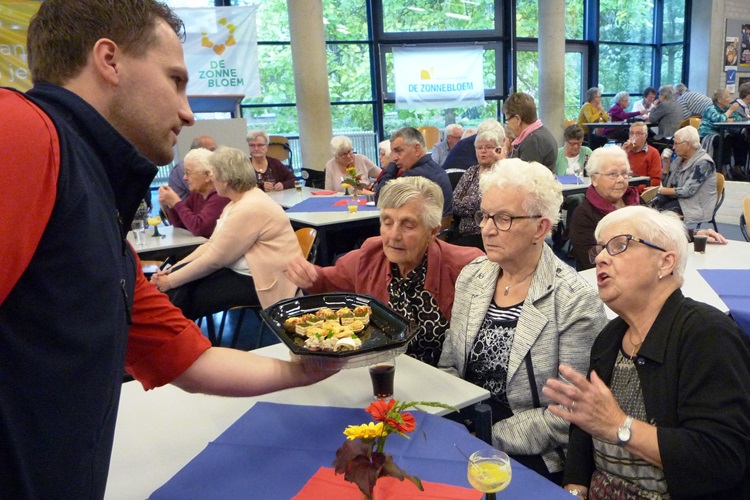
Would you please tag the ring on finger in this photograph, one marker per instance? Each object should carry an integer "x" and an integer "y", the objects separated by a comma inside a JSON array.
[{"x": 572, "y": 406}]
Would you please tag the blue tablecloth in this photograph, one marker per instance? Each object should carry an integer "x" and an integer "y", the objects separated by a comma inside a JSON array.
[
  {"x": 274, "y": 449},
  {"x": 568, "y": 179},
  {"x": 733, "y": 286},
  {"x": 324, "y": 204}
]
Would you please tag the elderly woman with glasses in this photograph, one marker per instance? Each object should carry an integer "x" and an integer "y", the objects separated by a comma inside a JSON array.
[
  {"x": 609, "y": 171},
  {"x": 344, "y": 157},
  {"x": 466, "y": 197},
  {"x": 519, "y": 313},
  {"x": 690, "y": 188},
  {"x": 665, "y": 409},
  {"x": 406, "y": 267},
  {"x": 272, "y": 174}
]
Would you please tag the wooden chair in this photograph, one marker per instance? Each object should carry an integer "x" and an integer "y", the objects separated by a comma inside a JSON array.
[
  {"x": 568, "y": 123},
  {"x": 431, "y": 135},
  {"x": 306, "y": 237},
  {"x": 695, "y": 121},
  {"x": 744, "y": 217},
  {"x": 278, "y": 147},
  {"x": 649, "y": 194},
  {"x": 683, "y": 123},
  {"x": 719, "y": 200}
]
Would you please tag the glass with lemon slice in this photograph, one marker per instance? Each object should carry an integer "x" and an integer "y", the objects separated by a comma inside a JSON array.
[
  {"x": 155, "y": 221},
  {"x": 489, "y": 471}
]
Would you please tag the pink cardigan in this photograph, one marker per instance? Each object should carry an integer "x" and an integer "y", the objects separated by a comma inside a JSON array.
[
  {"x": 367, "y": 270},
  {"x": 256, "y": 228}
]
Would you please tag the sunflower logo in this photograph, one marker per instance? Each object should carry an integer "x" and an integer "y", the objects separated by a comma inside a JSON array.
[{"x": 219, "y": 48}]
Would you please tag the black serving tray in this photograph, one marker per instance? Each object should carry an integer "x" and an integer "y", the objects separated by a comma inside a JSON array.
[{"x": 386, "y": 332}]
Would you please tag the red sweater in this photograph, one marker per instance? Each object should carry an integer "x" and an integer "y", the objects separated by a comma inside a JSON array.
[{"x": 646, "y": 163}]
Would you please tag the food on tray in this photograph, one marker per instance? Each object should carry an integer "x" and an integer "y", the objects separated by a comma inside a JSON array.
[{"x": 329, "y": 330}]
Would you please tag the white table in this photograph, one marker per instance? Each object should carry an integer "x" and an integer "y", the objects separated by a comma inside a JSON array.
[
  {"x": 160, "y": 431},
  {"x": 287, "y": 198},
  {"x": 582, "y": 187},
  {"x": 733, "y": 255},
  {"x": 172, "y": 238}
]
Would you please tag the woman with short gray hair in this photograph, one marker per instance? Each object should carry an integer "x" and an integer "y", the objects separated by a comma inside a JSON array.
[
  {"x": 519, "y": 313},
  {"x": 617, "y": 113},
  {"x": 406, "y": 267},
  {"x": 719, "y": 112},
  {"x": 344, "y": 158},
  {"x": 271, "y": 173}
]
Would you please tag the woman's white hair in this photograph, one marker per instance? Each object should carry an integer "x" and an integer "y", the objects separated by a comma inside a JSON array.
[
  {"x": 254, "y": 134},
  {"x": 399, "y": 191},
  {"x": 543, "y": 194},
  {"x": 198, "y": 159},
  {"x": 496, "y": 135},
  {"x": 664, "y": 229},
  {"x": 689, "y": 134},
  {"x": 340, "y": 143},
  {"x": 385, "y": 146},
  {"x": 604, "y": 156}
]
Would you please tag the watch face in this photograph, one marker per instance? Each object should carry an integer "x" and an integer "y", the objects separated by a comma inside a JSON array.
[{"x": 623, "y": 434}]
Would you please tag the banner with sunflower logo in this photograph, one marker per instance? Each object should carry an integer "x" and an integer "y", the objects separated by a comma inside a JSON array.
[{"x": 221, "y": 50}]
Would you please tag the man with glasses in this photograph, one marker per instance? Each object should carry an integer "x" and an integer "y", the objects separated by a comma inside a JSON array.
[
  {"x": 644, "y": 159},
  {"x": 453, "y": 133},
  {"x": 533, "y": 141}
]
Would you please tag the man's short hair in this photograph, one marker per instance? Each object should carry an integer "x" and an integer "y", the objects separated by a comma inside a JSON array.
[
  {"x": 410, "y": 136},
  {"x": 639, "y": 124},
  {"x": 203, "y": 141},
  {"x": 744, "y": 90},
  {"x": 450, "y": 128},
  {"x": 522, "y": 105},
  {"x": 680, "y": 88},
  {"x": 63, "y": 33}
]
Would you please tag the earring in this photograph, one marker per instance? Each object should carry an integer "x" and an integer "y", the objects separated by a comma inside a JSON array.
[{"x": 660, "y": 277}]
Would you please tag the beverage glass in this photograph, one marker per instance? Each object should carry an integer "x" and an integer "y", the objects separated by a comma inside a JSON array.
[
  {"x": 699, "y": 243},
  {"x": 382, "y": 376},
  {"x": 489, "y": 471},
  {"x": 139, "y": 232},
  {"x": 353, "y": 205},
  {"x": 298, "y": 185}
]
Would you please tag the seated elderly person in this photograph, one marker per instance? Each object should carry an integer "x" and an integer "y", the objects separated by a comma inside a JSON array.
[
  {"x": 533, "y": 141},
  {"x": 573, "y": 156},
  {"x": 384, "y": 153},
  {"x": 406, "y": 267},
  {"x": 592, "y": 111},
  {"x": 466, "y": 196},
  {"x": 645, "y": 104},
  {"x": 243, "y": 261},
  {"x": 176, "y": 178},
  {"x": 344, "y": 157},
  {"x": 617, "y": 113},
  {"x": 665, "y": 410},
  {"x": 609, "y": 190},
  {"x": 644, "y": 159},
  {"x": 666, "y": 113},
  {"x": 198, "y": 212},
  {"x": 272, "y": 174},
  {"x": 690, "y": 188},
  {"x": 453, "y": 134},
  {"x": 719, "y": 112},
  {"x": 409, "y": 158},
  {"x": 519, "y": 313}
]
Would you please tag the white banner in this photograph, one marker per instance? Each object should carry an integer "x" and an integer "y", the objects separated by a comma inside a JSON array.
[
  {"x": 438, "y": 77},
  {"x": 221, "y": 50}
]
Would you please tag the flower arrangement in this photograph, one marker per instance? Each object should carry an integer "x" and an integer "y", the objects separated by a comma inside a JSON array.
[
  {"x": 361, "y": 458},
  {"x": 353, "y": 179}
]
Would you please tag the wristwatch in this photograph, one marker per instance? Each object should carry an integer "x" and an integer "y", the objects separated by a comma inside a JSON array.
[
  {"x": 623, "y": 433},
  {"x": 577, "y": 492}
]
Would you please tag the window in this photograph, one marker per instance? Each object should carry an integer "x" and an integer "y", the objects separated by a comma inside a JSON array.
[{"x": 401, "y": 16}]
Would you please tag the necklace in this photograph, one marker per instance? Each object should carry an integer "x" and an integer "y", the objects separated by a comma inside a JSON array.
[
  {"x": 507, "y": 288},
  {"x": 637, "y": 346}
]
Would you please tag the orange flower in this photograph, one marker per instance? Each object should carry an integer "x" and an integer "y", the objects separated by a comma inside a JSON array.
[{"x": 400, "y": 422}]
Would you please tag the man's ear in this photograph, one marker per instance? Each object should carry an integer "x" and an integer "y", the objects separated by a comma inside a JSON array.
[{"x": 105, "y": 58}]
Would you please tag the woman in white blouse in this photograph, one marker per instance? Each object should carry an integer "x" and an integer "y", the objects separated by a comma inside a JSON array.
[{"x": 345, "y": 157}]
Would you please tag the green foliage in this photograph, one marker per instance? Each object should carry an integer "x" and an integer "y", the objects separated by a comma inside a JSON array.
[{"x": 437, "y": 15}]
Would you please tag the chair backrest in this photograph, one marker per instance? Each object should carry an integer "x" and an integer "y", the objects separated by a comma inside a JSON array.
[
  {"x": 306, "y": 237},
  {"x": 745, "y": 217},
  {"x": 683, "y": 123},
  {"x": 313, "y": 178},
  {"x": 431, "y": 135},
  {"x": 695, "y": 121},
  {"x": 568, "y": 123},
  {"x": 278, "y": 147},
  {"x": 454, "y": 175}
]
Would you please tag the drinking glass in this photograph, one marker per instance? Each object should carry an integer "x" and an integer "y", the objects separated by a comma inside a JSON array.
[
  {"x": 381, "y": 376},
  {"x": 298, "y": 185},
  {"x": 489, "y": 471},
  {"x": 139, "y": 232},
  {"x": 353, "y": 205}
]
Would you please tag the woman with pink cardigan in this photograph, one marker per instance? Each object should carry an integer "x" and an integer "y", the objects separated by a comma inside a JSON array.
[{"x": 243, "y": 262}]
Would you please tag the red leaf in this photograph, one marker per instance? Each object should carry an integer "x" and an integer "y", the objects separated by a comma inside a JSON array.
[{"x": 348, "y": 451}]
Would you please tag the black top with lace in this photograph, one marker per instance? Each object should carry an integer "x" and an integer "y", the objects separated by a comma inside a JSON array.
[
  {"x": 407, "y": 296},
  {"x": 487, "y": 364}
]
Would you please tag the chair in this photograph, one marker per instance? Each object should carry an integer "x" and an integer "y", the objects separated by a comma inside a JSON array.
[
  {"x": 455, "y": 174},
  {"x": 431, "y": 135},
  {"x": 719, "y": 200},
  {"x": 683, "y": 123},
  {"x": 744, "y": 217},
  {"x": 568, "y": 123},
  {"x": 278, "y": 147},
  {"x": 695, "y": 121},
  {"x": 306, "y": 237},
  {"x": 314, "y": 178},
  {"x": 649, "y": 194}
]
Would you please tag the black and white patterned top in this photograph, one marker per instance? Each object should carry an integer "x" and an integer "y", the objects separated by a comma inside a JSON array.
[
  {"x": 487, "y": 364},
  {"x": 407, "y": 296}
]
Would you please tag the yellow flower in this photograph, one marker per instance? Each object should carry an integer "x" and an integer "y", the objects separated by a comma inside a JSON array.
[
  {"x": 365, "y": 431},
  {"x": 351, "y": 171}
]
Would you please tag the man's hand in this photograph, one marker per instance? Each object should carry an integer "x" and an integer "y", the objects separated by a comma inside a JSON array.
[{"x": 301, "y": 272}]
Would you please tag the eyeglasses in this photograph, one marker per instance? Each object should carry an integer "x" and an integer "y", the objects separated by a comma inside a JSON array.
[
  {"x": 507, "y": 118},
  {"x": 678, "y": 143},
  {"x": 614, "y": 175},
  {"x": 617, "y": 245},
  {"x": 501, "y": 221},
  {"x": 488, "y": 148},
  {"x": 252, "y": 145},
  {"x": 346, "y": 153}
]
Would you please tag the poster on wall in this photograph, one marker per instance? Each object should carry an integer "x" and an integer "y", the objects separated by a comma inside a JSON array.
[
  {"x": 745, "y": 46},
  {"x": 731, "y": 52},
  {"x": 731, "y": 79},
  {"x": 438, "y": 77},
  {"x": 14, "y": 22},
  {"x": 221, "y": 50}
]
